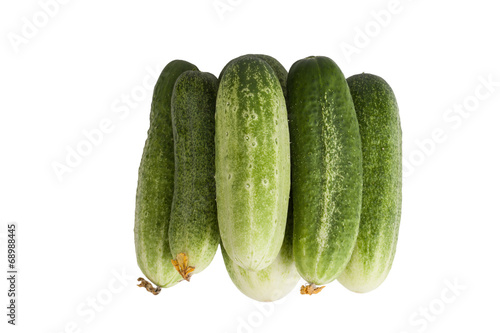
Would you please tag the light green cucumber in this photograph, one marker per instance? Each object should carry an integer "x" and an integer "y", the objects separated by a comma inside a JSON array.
[
  {"x": 155, "y": 184},
  {"x": 193, "y": 231},
  {"x": 273, "y": 282},
  {"x": 252, "y": 162},
  {"x": 279, "y": 278},
  {"x": 379, "y": 124},
  {"x": 326, "y": 170}
]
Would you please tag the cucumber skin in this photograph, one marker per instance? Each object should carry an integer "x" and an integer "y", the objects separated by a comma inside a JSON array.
[
  {"x": 252, "y": 213},
  {"x": 156, "y": 183},
  {"x": 273, "y": 282},
  {"x": 193, "y": 228},
  {"x": 277, "y": 67},
  {"x": 381, "y": 136},
  {"x": 326, "y": 168}
]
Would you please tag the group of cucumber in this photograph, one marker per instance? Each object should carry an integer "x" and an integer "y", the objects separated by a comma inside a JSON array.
[{"x": 294, "y": 174}]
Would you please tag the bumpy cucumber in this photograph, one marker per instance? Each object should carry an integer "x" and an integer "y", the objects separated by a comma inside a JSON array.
[
  {"x": 155, "y": 185},
  {"x": 326, "y": 169},
  {"x": 273, "y": 282},
  {"x": 252, "y": 162},
  {"x": 193, "y": 231},
  {"x": 279, "y": 278},
  {"x": 381, "y": 139}
]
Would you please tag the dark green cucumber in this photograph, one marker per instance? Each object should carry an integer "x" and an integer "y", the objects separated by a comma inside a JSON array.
[
  {"x": 381, "y": 138},
  {"x": 155, "y": 186},
  {"x": 193, "y": 231},
  {"x": 252, "y": 162},
  {"x": 326, "y": 169}
]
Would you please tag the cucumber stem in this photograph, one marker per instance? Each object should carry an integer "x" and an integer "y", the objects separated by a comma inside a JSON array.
[
  {"x": 149, "y": 287},
  {"x": 310, "y": 289},
  {"x": 181, "y": 265}
]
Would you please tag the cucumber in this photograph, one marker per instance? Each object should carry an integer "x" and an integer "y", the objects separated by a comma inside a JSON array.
[
  {"x": 156, "y": 184},
  {"x": 252, "y": 162},
  {"x": 381, "y": 138},
  {"x": 273, "y": 282},
  {"x": 279, "y": 278},
  {"x": 326, "y": 170},
  {"x": 193, "y": 231}
]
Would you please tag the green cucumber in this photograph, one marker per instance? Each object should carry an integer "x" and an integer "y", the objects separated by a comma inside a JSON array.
[
  {"x": 379, "y": 124},
  {"x": 279, "y": 278},
  {"x": 273, "y": 282},
  {"x": 252, "y": 162},
  {"x": 156, "y": 184},
  {"x": 193, "y": 231},
  {"x": 326, "y": 170}
]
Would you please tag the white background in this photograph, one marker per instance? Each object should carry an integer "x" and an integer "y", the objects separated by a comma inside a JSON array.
[{"x": 76, "y": 232}]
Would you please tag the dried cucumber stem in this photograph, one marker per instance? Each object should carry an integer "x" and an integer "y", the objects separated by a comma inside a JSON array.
[
  {"x": 181, "y": 265},
  {"x": 149, "y": 287},
  {"x": 310, "y": 289}
]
